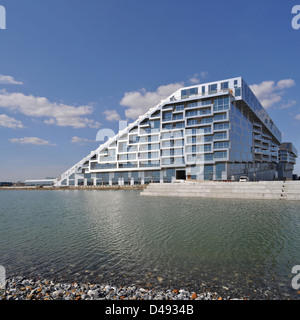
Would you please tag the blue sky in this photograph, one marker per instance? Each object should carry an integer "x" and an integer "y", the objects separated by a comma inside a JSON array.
[{"x": 71, "y": 67}]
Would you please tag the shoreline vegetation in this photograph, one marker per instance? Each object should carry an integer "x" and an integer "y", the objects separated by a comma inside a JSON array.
[{"x": 19, "y": 288}]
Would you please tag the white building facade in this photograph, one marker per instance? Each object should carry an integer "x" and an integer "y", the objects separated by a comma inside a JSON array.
[{"x": 212, "y": 131}]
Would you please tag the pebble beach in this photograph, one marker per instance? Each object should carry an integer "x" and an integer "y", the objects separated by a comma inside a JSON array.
[{"x": 19, "y": 288}]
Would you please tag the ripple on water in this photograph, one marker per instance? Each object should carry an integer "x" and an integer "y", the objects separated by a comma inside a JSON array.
[{"x": 118, "y": 235}]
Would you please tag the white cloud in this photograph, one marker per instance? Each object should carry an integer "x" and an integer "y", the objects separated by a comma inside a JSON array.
[
  {"x": 9, "y": 80},
  {"x": 9, "y": 122},
  {"x": 56, "y": 113},
  {"x": 288, "y": 104},
  {"x": 194, "y": 79},
  {"x": 204, "y": 74},
  {"x": 287, "y": 83},
  {"x": 81, "y": 141},
  {"x": 270, "y": 92},
  {"x": 139, "y": 102},
  {"x": 31, "y": 140},
  {"x": 112, "y": 115},
  {"x": 197, "y": 78}
]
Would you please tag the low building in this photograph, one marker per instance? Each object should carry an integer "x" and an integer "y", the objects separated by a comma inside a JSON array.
[
  {"x": 6, "y": 184},
  {"x": 287, "y": 155},
  {"x": 42, "y": 182}
]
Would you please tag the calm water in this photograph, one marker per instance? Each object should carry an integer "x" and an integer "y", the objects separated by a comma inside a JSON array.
[{"x": 118, "y": 237}]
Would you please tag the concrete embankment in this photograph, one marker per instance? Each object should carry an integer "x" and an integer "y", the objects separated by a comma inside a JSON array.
[{"x": 277, "y": 190}]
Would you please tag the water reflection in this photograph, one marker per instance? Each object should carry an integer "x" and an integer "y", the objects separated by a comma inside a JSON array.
[{"x": 121, "y": 237}]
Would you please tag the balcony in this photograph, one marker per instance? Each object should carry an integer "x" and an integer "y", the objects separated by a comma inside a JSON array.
[
  {"x": 198, "y": 113},
  {"x": 148, "y": 130},
  {"x": 149, "y": 164},
  {"x": 174, "y": 117},
  {"x": 257, "y": 151}
]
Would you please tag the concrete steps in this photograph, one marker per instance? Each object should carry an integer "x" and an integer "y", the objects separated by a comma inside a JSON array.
[{"x": 235, "y": 190}]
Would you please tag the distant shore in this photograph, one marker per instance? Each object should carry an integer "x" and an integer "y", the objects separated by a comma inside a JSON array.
[{"x": 135, "y": 187}]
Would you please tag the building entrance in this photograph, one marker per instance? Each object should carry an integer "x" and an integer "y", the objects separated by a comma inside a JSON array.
[{"x": 180, "y": 175}]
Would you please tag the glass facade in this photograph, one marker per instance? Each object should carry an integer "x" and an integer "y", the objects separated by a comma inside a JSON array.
[{"x": 215, "y": 131}]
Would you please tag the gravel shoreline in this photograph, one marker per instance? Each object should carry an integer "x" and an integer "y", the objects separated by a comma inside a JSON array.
[{"x": 19, "y": 288}]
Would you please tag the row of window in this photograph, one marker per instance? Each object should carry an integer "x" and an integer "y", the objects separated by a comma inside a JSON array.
[
  {"x": 207, "y": 157},
  {"x": 189, "y": 149},
  {"x": 212, "y": 88}
]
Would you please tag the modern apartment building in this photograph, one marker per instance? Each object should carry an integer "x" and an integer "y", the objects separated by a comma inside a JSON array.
[{"x": 212, "y": 131}]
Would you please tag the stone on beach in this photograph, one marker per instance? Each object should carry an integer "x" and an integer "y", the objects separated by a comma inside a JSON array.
[{"x": 18, "y": 288}]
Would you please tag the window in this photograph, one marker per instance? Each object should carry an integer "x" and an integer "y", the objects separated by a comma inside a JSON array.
[
  {"x": 155, "y": 146},
  {"x": 167, "y": 116},
  {"x": 145, "y": 164},
  {"x": 103, "y": 166},
  {"x": 220, "y": 168},
  {"x": 155, "y": 124},
  {"x": 189, "y": 92},
  {"x": 208, "y": 172},
  {"x": 205, "y": 129},
  {"x": 192, "y": 122},
  {"x": 203, "y": 90},
  {"x": 179, "y": 107},
  {"x": 221, "y": 104},
  {"x": 237, "y": 92},
  {"x": 167, "y": 144},
  {"x": 155, "y": 114},
  {"x": 127, "y": 165},
  {"x": 208, "y": 157},
  {"x": 212, "y": 88},
  {"x": 220, "y": 155},
  {"x": 220, "y": 116},
  {"x": 191, "y": 140},
  {"x": 205, "y": 148},
  {"x": 220, "y": 136},
  {"x": 178, "y": 116},
  {"x": 166, "y": 135},
  {"x": 224, "y": 85},
  {"x": 179, "y": 161},
  {"x": 207, "y": 120},
  {"x": 194, "y": 104},
  {"x": 134, "y": 139},
  {"x": 206, "y": 102},
  {"x": 167, "y": 126},
  {"x": 179, "y": 143},
  {"x": 221, "y": 145},
  {"x": 178, "y": 125},
  {"x": 170, "y": 174},
  {"x": 193, "y": 113},
  {"x": 208, "y": 138},
  {"x": 221, "y": 126}
]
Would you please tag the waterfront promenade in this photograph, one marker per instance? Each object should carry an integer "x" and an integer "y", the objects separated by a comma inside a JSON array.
[{"x": 270, "y": 190}]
